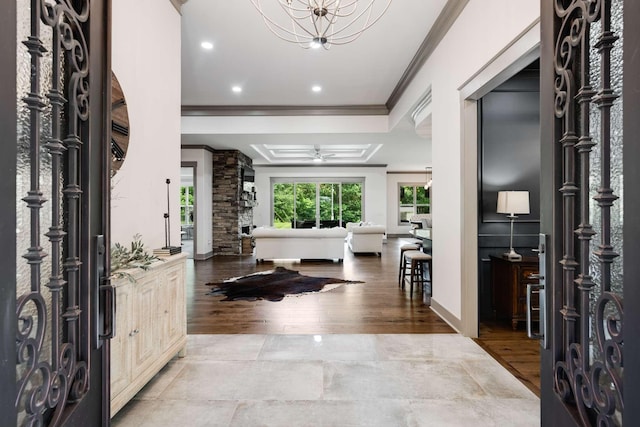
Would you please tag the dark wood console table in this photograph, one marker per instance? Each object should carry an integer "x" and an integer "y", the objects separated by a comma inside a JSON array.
[{"x": 509, "y": 280}]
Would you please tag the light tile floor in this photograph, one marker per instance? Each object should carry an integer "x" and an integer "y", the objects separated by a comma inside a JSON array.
[{"x": 332, "y": 380}]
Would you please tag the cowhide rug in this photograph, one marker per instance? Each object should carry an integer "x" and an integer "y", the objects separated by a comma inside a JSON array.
[{"x": 272, "y": 285}]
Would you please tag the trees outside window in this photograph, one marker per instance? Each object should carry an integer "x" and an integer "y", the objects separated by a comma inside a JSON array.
[
  {"x": 186, "y": 205},
  {"x": 310, "y": 203},
  {"x": 330, "y": 202},
  {"x": 282, "y": 205},
  {"x": 351, "y": 202},
  {"x": 305, "y": 203}
]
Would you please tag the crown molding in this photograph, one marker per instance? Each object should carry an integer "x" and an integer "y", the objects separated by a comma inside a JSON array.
[
  {"x": 284, "y": 110},
  {"x": 324, "y": 165},
  {"x": 443, "y": 23},
  {"x": 197, "y": 147},
  {"x": 426, "y": 171},
  {"x": 423, "y": 104}
]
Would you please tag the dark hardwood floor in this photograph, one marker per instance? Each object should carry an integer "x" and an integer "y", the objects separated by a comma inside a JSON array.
[
  {"x": 514, "y": 350},
  {"x": 376, "y": 306}
]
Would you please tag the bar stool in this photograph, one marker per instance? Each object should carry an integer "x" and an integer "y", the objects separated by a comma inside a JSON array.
[
  {"x": 413, "y": 241},
  {"x": 403, "y": 249},
  {"x": 416, "y": 260}
]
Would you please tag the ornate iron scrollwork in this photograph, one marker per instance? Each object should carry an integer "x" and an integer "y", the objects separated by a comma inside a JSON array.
[
  {"x": 599, "y": 387},
  {"x": 588, "y": 373},
  {"x": 53, "y": 374}
]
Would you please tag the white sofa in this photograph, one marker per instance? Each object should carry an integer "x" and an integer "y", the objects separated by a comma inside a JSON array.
[
  {"x": 301, "y": 243},
  {"x": 363, "y": 238},
  {"x": 420, "y": 220}
]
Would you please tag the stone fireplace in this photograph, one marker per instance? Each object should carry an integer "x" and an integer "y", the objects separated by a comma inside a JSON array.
[{"x": 232, "y": 206}]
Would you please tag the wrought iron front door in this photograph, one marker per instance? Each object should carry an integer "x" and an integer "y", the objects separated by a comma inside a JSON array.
[
  {"x": 589, "y": 211},
  {"x": 55, "y": 190}
]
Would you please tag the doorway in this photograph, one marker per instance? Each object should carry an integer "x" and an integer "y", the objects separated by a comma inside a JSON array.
[
  {"x": 188, "y": 211},
  {"x": 509, "y": 165}
]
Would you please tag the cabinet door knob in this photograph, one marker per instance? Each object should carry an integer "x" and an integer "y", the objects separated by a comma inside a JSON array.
[{"x": 134, "y": 332}]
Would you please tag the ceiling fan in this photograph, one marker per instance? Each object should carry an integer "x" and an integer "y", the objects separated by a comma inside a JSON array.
[{"x": 317, "y": 156}]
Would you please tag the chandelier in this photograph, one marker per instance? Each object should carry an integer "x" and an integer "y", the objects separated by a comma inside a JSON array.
[{"x": 320, "y": 23}]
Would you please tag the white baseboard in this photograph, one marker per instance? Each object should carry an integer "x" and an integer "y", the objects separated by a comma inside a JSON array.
[
  {"x": 202, "y": 257},
  {"x": 445, "y": 315}
]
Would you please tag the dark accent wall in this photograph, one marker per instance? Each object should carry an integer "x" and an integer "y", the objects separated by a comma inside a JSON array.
[
  {"x": 229, "y": 215},
  {"x": 509, "y": 159}
]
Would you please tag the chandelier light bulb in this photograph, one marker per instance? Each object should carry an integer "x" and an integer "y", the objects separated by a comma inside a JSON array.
[{"x": 318, "y": 42}]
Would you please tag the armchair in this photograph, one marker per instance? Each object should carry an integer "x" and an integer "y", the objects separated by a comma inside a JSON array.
[{"x": 363, "y": 238}]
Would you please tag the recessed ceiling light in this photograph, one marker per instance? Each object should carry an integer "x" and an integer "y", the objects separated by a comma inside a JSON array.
[
  {"x": 206, "y": 45},
  {"x": 236, "y": 89},
  {"x": 316, "y": 88}
]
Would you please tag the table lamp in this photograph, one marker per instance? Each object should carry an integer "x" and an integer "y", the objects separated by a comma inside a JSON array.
[{"x": 512, "y": 203}]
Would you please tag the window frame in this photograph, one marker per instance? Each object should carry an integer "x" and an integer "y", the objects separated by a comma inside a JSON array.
[
  {"x": 415, "y": 205},
  {"x": 317, "y": 181}
]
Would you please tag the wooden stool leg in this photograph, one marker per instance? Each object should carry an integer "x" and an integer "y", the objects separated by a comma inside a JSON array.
[
  {"x": 421, "y": 274},
  {"x": 412, "y": 276}
]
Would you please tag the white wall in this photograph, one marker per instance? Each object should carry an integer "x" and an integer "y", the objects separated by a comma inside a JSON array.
[
  {"x": 146, "y": 60},
  {"x": 393, "y": 181},
  {"x": 375, "y": 196},
  {"x": 204, "y": 179},
  {"x": 484, "y": 28}
]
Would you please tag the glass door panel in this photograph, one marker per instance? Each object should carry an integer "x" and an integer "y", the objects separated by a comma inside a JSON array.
[
  {"x": 351, "y": 202},
  {"x": 407, "y": 208},
  {"x": 329, "y": 205},
  {"x": 305, "y": 197},
  {"x": 582, "y": 368},
  {"x": 283, "y": 208},
  {"x": 423, "y": 201}
]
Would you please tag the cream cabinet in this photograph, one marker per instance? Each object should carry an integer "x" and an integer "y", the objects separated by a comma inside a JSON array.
[{"x": 151, "y": 326}]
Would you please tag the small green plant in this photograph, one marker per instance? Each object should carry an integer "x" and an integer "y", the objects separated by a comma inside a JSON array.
[{"x": 123, "y": 258}]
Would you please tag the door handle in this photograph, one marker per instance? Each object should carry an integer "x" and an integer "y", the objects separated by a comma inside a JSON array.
[
  {"x": 109, "y": 314},
  {"x": 538, "y": 289},
  {"x": 104, "y": 296},
  {"x": 534, "y": 289}
]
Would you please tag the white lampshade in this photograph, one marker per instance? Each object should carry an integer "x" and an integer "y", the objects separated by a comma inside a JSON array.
[{"x": 513, "y": 202}]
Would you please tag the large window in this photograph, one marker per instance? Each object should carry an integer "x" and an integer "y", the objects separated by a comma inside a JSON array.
[
  {"x": 314, "y": 202},
  {"x": 413, "y": 199}
]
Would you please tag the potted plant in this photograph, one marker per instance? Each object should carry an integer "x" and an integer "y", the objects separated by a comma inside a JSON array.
[{"x": 124, "y": 258}]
